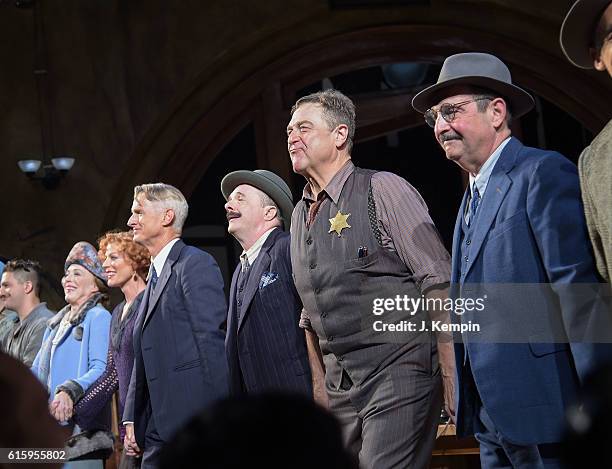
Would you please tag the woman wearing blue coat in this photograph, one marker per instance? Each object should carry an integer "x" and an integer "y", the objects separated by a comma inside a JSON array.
[{"x": 73, "y": 352}]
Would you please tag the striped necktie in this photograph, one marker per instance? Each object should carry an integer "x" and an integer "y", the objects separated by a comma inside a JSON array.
[
  {"x": 475, "y": 202},
  {"x": 153, "y": 278}
]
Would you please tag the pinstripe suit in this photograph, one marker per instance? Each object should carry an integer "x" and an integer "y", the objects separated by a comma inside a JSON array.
[{"x": 265, "y": 348}]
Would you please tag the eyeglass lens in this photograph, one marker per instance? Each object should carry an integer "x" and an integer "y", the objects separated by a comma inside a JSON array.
[{"x": 446, "y": 110}]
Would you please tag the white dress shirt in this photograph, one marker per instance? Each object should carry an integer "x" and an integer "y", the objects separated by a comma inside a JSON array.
[
  {"x": 251, "y": 254},
  {"x": 159, "y": 261}
]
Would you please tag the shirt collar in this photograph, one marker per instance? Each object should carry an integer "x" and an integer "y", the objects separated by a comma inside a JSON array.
[
  {"x": 252, "y": 253},
  {"x": 36, "y": 311},
  {"x": 482, "y": 178},
  {"x": 159, "y": 261},
  {"x": 335, "y": 185},
  {"x": 9, "y": 315}
]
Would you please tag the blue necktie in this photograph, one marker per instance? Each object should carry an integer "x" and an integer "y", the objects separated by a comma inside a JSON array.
[
  {"x": 474, "y": 203},
  {"x": 153, "y": 278}
]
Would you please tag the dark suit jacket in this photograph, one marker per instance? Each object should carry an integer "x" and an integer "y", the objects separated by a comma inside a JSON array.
[
  {"x": 179, "y": 361},
  {"x": 529, "y": 230},
  {"x": 266, "y": 349}
]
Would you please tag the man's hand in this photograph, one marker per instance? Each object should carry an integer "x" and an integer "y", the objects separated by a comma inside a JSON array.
[
  {"x": 446, "y": 351},
  {"x": 129, "y": 442},
  {"x": 61, "y": 407},
  {"x": 319, "y": 393},
  {"x": 446, "y": 354},
  {"x": 317, "y": 369}
]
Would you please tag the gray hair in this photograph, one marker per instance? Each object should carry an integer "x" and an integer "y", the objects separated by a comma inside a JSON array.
[
  {"x": 266, "y": 201},
  {"x": 168, "y": 197},
  {"x": 484, "y": 96},
  {"x": 337, "y": 109}
]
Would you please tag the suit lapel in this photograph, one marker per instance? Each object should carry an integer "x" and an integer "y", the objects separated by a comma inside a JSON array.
[
  {"x": 456, "y": 261},
  {"x": 231, "y": 315},
  {"x": 140, "y": 317},
  {"x": 498, "y": 186},
  {"x": 262, "y": 263},
  {"x": 163, "y": 279}
]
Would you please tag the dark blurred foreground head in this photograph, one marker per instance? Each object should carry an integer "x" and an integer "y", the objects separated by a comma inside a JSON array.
[
  {"x": 26, "y": 421},
  {"x": 271, "y": 431}
]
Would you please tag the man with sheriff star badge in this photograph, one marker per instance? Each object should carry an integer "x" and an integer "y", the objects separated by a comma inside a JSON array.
[{"x": 385, "y": 389}]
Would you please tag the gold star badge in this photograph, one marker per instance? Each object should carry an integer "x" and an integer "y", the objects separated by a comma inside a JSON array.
[{"x": 338, "y": 223}]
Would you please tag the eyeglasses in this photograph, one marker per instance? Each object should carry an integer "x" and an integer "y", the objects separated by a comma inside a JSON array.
[{"x": 447, "y": 111}]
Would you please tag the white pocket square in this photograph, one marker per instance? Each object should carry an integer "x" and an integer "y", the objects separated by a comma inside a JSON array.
[{"x": 266, "y": 279}]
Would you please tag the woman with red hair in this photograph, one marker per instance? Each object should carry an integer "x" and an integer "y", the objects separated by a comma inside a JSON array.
[{"x": 126, "y": 264}]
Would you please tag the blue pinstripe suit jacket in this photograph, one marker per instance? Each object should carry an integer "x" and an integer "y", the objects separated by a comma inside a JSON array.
[{"x": 265, "y": 347}]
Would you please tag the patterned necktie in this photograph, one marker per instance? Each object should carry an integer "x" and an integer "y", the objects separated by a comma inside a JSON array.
[
  {"x": 153, "y": 278},
  {"x": 474, "y": 203},
  {"x": 244, "y": 261}
]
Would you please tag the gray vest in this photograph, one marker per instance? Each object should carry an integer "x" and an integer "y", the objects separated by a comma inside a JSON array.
[
  {"x": 338, "y": 287},
  {"x": 466, "y": 242},
  {"x": 465, "y": 258},
  {"x": 241, "y": 283}
]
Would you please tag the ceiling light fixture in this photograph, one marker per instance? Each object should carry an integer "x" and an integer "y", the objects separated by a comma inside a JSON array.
[{"x": 48, "y": 170}]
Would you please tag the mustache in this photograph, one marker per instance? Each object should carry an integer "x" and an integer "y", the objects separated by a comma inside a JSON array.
[
  {"x": 296, "y": 146},
  {"x": 449, "y": 136},
  {"x": 231, "y": 214}
]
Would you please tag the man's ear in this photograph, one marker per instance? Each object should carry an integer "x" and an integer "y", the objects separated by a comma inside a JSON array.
[
  {"x": 499, "y": 110},
  {"x": 28, "y": 286},
  {"x": 169, "y": 217},
  {"x": 597, "y": 62},
  {"x": 341, "y": 135},
  {"x": 270, "y": 213}
]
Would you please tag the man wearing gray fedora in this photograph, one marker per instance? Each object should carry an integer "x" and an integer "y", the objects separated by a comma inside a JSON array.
[
  {"x": 266, "y": 350},
  {"x": 586, "y": 41},
  {"x": 520, "y": 222}
]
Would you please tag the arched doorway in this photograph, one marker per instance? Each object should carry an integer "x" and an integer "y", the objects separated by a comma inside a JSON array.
[{"x": 252, "y": 115}]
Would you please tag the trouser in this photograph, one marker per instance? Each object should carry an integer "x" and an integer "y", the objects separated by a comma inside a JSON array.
[
  {"x": 496, "y": 452},
  {"x": 391, "y": 419},
  {"x": 152, "y": 446}
]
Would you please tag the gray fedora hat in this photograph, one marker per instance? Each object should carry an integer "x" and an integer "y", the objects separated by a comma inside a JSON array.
[
  {"x": 475, "y": 69},
  {"x": 266, "y": 181},
  {"x": 577, "y": 31}
]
